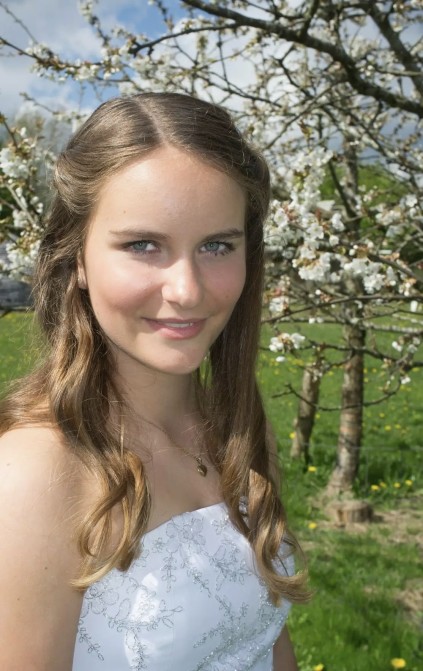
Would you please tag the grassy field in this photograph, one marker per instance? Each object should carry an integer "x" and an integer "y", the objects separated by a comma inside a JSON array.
[{"x": 368, "y": 580}]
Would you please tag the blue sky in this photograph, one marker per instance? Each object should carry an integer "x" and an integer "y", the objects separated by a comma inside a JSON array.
[{"x": 59, "y": 24}]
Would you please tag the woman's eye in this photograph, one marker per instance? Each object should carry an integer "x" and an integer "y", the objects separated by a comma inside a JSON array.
[
  {"x": 216, "y": 247},
  {"x": 143, "y": 246}
]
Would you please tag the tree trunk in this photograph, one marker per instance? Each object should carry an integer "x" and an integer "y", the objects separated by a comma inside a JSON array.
[
  {"x": 351, "y": 419},
  {"x": 304, "y": 422},
  {"x": 350, "y": 426}
]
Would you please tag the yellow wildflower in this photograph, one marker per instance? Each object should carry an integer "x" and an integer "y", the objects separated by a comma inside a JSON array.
[
  {"x": 398, "y": 663},
  {"x": 388, "y": 427},
  {"x": 409, "y": 483},
  {"x": 319, "y": 667},
  {"x": 397, "y": 485},
  {"x": 312, "y": 525},
  {"x": 382, "y": 484},
  {"x": 382, "y": 414},
  {"x": 374, "y": 488},
  {"x": 312, "y": 469},
  {"x": 292, "y": 435}
]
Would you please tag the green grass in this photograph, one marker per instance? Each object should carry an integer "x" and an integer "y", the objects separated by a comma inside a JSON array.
[
  {"x": 355, "y": 621},
  {"x": 392, "y": 433},
  {"x": 16, "y": 346}
]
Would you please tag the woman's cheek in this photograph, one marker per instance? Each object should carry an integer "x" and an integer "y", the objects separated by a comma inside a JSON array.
[
  {"x": 121, "y": 289},
  {"x": 231, "y": 283}
]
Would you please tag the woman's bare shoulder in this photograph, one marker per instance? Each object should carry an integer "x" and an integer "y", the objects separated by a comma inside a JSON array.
[
  {"x": 43, "y": 485},
  {"x": 36, "y": 459},
  {"x": 39, "y": 484},
  {"x": 40, "y": 508},
  {"x": 30, "y": 437}
]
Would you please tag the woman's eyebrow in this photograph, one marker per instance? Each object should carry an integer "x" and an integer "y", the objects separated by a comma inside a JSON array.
[
  {"x": 226, "y": 234},
  {"x": 143, "y": 234},
  {"x": 139, "y": 234}
]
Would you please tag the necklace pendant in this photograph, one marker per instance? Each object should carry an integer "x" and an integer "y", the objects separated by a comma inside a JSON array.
[{"x": 202, "y": 469}]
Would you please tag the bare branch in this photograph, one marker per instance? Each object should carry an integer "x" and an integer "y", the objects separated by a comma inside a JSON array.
[
  {"x": 150, "y": 44},
  {"x": 337, "y": 408},
  {"x": 398, "y": 47},
  {"x": 338, "y": 54},
  {"x": 18, "y": 21}
]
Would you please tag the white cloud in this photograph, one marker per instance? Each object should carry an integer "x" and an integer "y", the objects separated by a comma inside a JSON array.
[{"x": 59, "y": 25}]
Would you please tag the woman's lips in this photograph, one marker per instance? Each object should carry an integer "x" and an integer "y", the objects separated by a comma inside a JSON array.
[{"x": 177, "y": 329}]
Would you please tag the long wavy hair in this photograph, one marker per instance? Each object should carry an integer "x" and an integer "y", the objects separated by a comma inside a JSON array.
[{"x": 74, "y": 388}]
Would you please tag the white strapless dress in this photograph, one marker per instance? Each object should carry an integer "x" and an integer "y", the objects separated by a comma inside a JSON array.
[{"x": 193, "y": 601}]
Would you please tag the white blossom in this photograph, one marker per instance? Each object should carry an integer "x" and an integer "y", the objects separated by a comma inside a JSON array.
[
  {"x": 20, "y": 218},
  {"x": 20, "y": 261},
  {"x": 337, "y": 223},
  {"x": 317, "y": 269},
  {"x": 414, "y": 344},
  {"x": 371, "y": 273},
  {"x": 286, "y": 342},
  {"x": 12, "y": 164},
  {"x": 278, "y": 304}
]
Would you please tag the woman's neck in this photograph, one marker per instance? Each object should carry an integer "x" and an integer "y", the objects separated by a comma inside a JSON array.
[{"x": 167, "y": 401}]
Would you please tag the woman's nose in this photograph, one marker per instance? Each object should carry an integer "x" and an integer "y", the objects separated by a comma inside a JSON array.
[{"x": 182, "y": 284}]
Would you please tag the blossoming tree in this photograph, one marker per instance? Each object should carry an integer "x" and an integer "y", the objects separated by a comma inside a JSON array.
[{"x": 332, "y": 91}]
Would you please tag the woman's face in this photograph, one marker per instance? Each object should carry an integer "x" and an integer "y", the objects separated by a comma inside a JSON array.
[{"x": 164, "y": 260}]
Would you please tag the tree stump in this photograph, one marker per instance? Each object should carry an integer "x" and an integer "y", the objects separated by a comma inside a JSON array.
[{"x": 350, "y": 511}]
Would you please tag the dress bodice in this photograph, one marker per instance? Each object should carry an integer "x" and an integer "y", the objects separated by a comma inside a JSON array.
[{"x": 193, "y": 601}]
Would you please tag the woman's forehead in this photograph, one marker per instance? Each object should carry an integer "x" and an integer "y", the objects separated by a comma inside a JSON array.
[{"x": 167, "y": 187}]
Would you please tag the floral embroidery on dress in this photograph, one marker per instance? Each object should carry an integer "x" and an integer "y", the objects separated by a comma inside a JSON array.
[
  {"x": 192, "y": 601},
  {"x": 84, "y": 637}
]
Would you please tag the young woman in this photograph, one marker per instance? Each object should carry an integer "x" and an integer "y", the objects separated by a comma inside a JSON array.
[{"x": 139, "y": 497}]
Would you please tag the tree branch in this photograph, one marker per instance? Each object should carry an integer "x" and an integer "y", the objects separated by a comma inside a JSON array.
[
  {"x": 394, "y": 41},
  {"x": 337, "y": 408},
  {"x": 137, "y": 47},
  {"x": 338, "y": 54}
]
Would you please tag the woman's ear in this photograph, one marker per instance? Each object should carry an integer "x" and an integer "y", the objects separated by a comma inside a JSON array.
[{"x": 82, "y": 279}]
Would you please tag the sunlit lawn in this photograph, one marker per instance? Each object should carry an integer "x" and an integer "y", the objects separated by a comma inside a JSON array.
[
  {"x": 357, "y": 620},
  {"x": 16, "y": 346}
]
